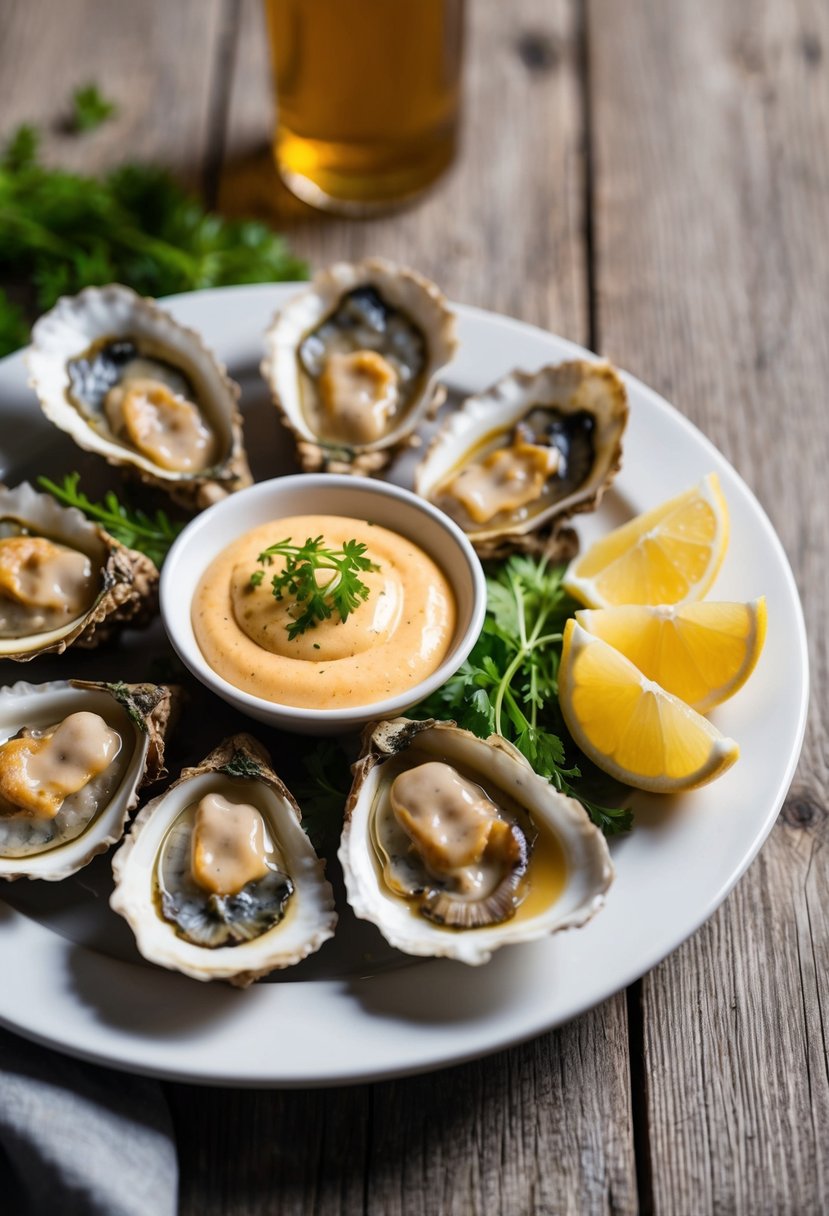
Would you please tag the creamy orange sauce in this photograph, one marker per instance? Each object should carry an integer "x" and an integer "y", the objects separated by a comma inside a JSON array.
[{"x": 391, "y": 642}]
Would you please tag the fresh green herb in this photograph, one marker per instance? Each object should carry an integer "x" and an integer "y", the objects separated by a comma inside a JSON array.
[
  {"x": 21, "y": 150},
  {"x": 342, "y": 592},
  {"x": 150, "y": 534},
  {"x": 322, "y": 794},
  {"x": 125, "y": 696},
  {"x": 61, "y": 231},
  {"x": 90, "y": 108},
  {"x": 241, "y": 765},
  {"x": 509, "y": 683}
]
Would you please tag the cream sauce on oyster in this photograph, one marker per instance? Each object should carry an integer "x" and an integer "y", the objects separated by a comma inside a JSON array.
[
  {"x": 132, "y": 393},
  {"x": 504, "y": 481},
  {"x": 53, "y": 782},
  {"x": 514, "y": 474},
  {"x": 391, "y": 642},
  {"x": 162, "y": 425},
  {"x": 228, "y": 847},
  {"x": 43, "y": 585},
  {"x": 359, "y": 394},
  {"x": 207, "y": 917},
  {"x": 360, "y": 369},
  {"x": 462, "y": 853}
]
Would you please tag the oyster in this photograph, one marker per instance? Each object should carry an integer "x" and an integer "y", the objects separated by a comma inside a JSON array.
[
  {"x": 454, "y": 847},
  {"x": 518, "y": 460},
  {"x": 126, "y": 381},
  {"x": 352, "y": 363},
  {"x": 217, "y": 878},
  {"x": 72, "y": 759},
  {"x": 63, "y": 579}
]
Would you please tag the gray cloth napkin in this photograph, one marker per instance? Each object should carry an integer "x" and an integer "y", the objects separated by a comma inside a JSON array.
[{"x": 80, "y": 1140}]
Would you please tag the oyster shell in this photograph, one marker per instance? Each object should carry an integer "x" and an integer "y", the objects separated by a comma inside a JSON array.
[
  {"x": 515, "y": 462},
  {"x": 112, "y": 369},
  {"x": 111, "y": 584},
  {"x": 271, "y": 922},
  {"x": 546, "y": 868},
  {"x": 352, "y": 363},
  {"x": 92, "y": 819}
]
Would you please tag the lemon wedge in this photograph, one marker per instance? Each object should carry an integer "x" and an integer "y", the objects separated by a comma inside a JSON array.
[
  {"x": 668, "y": 555},
  {"x": 702, "y": 653},
  {"x": 629, "y": 726}
]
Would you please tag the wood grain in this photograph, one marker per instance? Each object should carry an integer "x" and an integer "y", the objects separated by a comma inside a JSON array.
[
  {"x": 711, "y": 175},
  {"x": 155, "y": 60},
  {"x": 258, "y": 1153},
  {"x": 543, "y": 1128}
]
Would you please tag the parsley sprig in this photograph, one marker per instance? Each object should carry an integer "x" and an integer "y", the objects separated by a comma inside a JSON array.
[
  {"x": 509, "y": 683},
  {"x": 342, "y": 591},
  {"x": 150, "y": 534},
  {"x": 90, "y": 108},
  {"x": 62, "y": 231}
]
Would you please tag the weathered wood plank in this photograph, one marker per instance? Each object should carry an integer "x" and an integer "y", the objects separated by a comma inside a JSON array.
[
  {"x": 545, "y": 1127},
  {"x": 154, "y": 59},
  {"x": 711, "y": 172},
  {"x": 257, "y": 1153}
]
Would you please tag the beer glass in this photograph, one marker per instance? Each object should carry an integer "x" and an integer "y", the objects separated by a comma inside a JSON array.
[{"x": 368, "y": 97}]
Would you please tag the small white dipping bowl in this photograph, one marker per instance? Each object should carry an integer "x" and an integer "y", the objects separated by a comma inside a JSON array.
[{"x": 320, "y": 494}]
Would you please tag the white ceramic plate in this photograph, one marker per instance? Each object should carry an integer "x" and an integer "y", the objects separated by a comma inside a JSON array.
[{"x": 357, "y": 1011}]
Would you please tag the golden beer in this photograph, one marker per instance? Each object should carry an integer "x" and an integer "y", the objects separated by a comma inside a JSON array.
[{"x": 368, "y": 97}]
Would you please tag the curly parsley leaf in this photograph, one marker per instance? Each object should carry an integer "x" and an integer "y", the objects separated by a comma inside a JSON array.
[
  {"x": 90, "y": 108},
  {"x": 319, "y": 579},
  {"x": 241, "y": 765},
  {"x": 149, "y": 534},
  {"x": 62, "y": 231},
  {"x": 21, "y": 150}
]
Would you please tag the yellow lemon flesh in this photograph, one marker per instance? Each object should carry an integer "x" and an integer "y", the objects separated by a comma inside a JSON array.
[
  {"x": 668, "y": 555},
  {"x": 629, "y": 726},
  {"x": 702, "y": 653}
]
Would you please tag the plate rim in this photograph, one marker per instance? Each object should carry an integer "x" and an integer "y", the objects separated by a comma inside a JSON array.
[{"x": 110, "y": 1054}]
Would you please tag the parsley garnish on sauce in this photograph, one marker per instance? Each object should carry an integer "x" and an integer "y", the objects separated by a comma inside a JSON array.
[{"x": 340, "y": 589}]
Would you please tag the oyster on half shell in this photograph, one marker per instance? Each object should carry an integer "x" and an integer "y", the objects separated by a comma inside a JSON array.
[
  {"x": 127, "y": 381},
  {"x": 217, "y": 878},
  {"x": 58, "y": 808},
  {"x": 63, "y": 579},
  {"x": 352, "y": 363},
  {"x": 514, "y": 463},
  {"x": 454, "y": 847}
]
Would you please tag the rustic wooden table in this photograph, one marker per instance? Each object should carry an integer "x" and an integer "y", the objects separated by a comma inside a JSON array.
[{"x": 650, "y": 178}]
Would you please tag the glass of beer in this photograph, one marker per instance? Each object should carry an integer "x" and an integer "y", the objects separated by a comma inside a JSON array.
[{"x": 368, "y": 97}]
